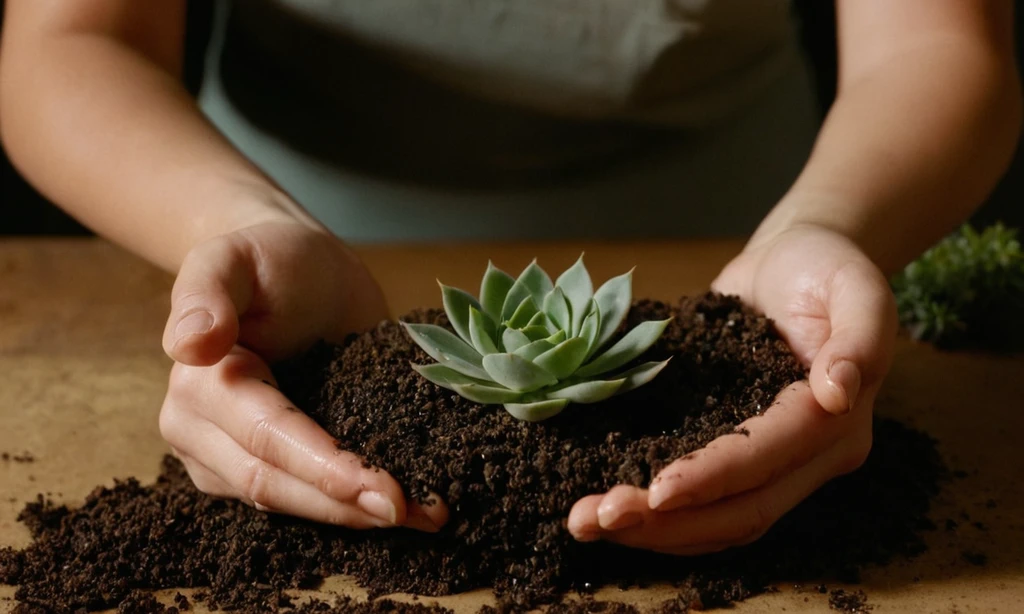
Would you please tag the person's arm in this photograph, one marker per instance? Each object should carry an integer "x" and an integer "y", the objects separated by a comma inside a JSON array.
[
  {"x": 926, "y": 119},
  {"x": 93, "y": 113}
]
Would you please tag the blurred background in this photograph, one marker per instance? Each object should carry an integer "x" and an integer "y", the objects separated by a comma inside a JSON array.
[{"x": 25, "y": 212}]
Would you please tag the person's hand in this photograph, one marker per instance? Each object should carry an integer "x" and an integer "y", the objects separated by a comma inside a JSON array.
[
  {"x": 241, "y": 300},
  {"x": 835, "y": 309}
]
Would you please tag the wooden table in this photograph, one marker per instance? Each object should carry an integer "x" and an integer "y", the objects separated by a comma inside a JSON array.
[{"x": 82, "y": 376}]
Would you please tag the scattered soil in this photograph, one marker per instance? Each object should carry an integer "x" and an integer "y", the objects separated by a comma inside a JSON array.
[
  {"x": 139, "y": 602},
  {"x": 511, "y": 484},
  {"x": 347, "y": 605},
  {"x": 508, "y": 484},
  {"x": 852, "y": 602},
  {"x": 24, "y": 457}
]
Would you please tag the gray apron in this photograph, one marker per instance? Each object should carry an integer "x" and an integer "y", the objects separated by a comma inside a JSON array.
[{"x": 398, "y": 120}]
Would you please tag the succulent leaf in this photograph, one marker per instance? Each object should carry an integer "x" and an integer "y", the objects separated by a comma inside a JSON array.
[
  {"x": 536, "y": 280},
  {"x": 563, "y": 360},
  {"x": 487, "y": 395},
  {"x": 641, "y": 374},
  {"x": 579, "y": 289},
  {"x": 456, "y": 306},
  {"x": 444, "y": 376},
  {"x": 512, "y": 339},
  {"x": 591, "y": 329},
  {"x": 613, "y": 299},
  {"x": 558, "y": 337},
  {"x": 541, "y": 319},
  {"x": 482, "y": 332},
  {"x": 466, "y": 368},
  {"x": 516, "y": 373},
  {"x": 534, "y": 349},
  {"x": 532, "y": 282},
  {"x": 523, "y": 314},
  {"x": 536, "y": 411},
  {"x": 589, "y": 392},
  {"x": 635, "y": 343},
  {"x": 535, "y": 333},
  {"x": 493, "y": 289},
  {"x": 556, "y": 306},
  {"x": 440, "y": 344}
]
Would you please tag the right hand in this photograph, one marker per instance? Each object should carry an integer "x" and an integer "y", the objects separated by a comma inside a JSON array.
[{"x": 240, "y": 300}]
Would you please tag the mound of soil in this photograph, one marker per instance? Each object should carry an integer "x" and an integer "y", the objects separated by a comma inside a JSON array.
[{"x": 509, "y": 485}]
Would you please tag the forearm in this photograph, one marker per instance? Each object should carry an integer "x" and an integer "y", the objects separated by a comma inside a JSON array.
[
  {"x": 114, "y": 139},
  {"x": 907, "y": 153}
]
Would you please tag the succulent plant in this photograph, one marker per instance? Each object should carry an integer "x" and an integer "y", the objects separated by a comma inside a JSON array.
[{"x": 535, "y": 346}]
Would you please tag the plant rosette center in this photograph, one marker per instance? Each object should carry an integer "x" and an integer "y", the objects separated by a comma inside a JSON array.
[{"x": 533, "y": 345}]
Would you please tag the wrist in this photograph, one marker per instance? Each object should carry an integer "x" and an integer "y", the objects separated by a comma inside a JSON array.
[
  {"x": 244, "y": 205},
  {"x": 829, "y": 212}
]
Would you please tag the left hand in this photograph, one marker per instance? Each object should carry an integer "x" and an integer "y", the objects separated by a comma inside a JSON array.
[{"x": 835, "y": 309}]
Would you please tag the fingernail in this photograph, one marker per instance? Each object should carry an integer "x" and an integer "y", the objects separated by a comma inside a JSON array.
[
  {"x": 421, "y": 522},
  {"x": 621, "y": 521},
  {"x": 379, "y": 505},
  {"x": 194, "y": 324},
  {"x": 667, "y": 503},
  {"x": 611, "y": 519},
  {"x": 845, "y": 376},
  {"x": 587, "y": 536}
]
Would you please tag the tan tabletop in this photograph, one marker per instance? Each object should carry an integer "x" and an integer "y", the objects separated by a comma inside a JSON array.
[{"x": 82, "y": 376}]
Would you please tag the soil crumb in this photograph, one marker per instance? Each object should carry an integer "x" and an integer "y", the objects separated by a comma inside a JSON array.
[
  {"x": 139, "y": 602},
  {"x": 851, "y": 602},
  {"x": 508, "y": 484},
  {"x": 24, "y": 457},
  {"x": 347, "y": 605}
]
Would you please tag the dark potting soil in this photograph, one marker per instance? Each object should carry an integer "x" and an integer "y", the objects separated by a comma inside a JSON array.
[
  {"x": 508, "y": 484},
  {"x": 850, "y": 602}
]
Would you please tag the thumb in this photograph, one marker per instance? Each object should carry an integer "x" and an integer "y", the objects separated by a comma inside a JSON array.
[
  {"x": 214, "y": 286},
  {"x": 858, "y": 352}
]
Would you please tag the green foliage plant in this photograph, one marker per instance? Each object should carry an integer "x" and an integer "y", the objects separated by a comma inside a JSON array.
[
  {"x": 966, "y": 290},
  {"x": 534, "y": 346}
]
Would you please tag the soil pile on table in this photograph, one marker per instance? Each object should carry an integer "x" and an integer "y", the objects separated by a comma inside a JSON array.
[{"x": 508, "y": 484}]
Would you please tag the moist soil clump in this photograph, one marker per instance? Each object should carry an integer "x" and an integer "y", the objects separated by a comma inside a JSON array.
[{"x": 508, "y": 484}]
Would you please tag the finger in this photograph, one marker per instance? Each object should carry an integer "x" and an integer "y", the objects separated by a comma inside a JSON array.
[
  {"x": 428, "y": 517},
  {"x": 734, "y": 521},
  {"x": 858, "y": 352},
  {"x": 268, "y": 488},
  {"x": 791, "y": 432},
  {"x": 267, "y": 425},
  {"x": 583, "y": 523},
  {"x": 205, "y": 480},
  {"x": 622, "y": 507},
  {"x": 214, "y": 286}
]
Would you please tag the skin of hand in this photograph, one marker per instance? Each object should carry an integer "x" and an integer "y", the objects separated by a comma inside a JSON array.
[
  {"x": 926, "y": 118},
  {"x": 95, "y": 116},
  {"x": 835, "y": 309},
  {"x": 240, "y": 300}
]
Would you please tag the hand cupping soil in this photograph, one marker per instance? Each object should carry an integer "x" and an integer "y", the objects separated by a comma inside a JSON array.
[{"x": 509, "y": 486}]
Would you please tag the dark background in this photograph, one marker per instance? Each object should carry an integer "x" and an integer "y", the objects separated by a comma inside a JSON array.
[{"x": 26, "y": 212}]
